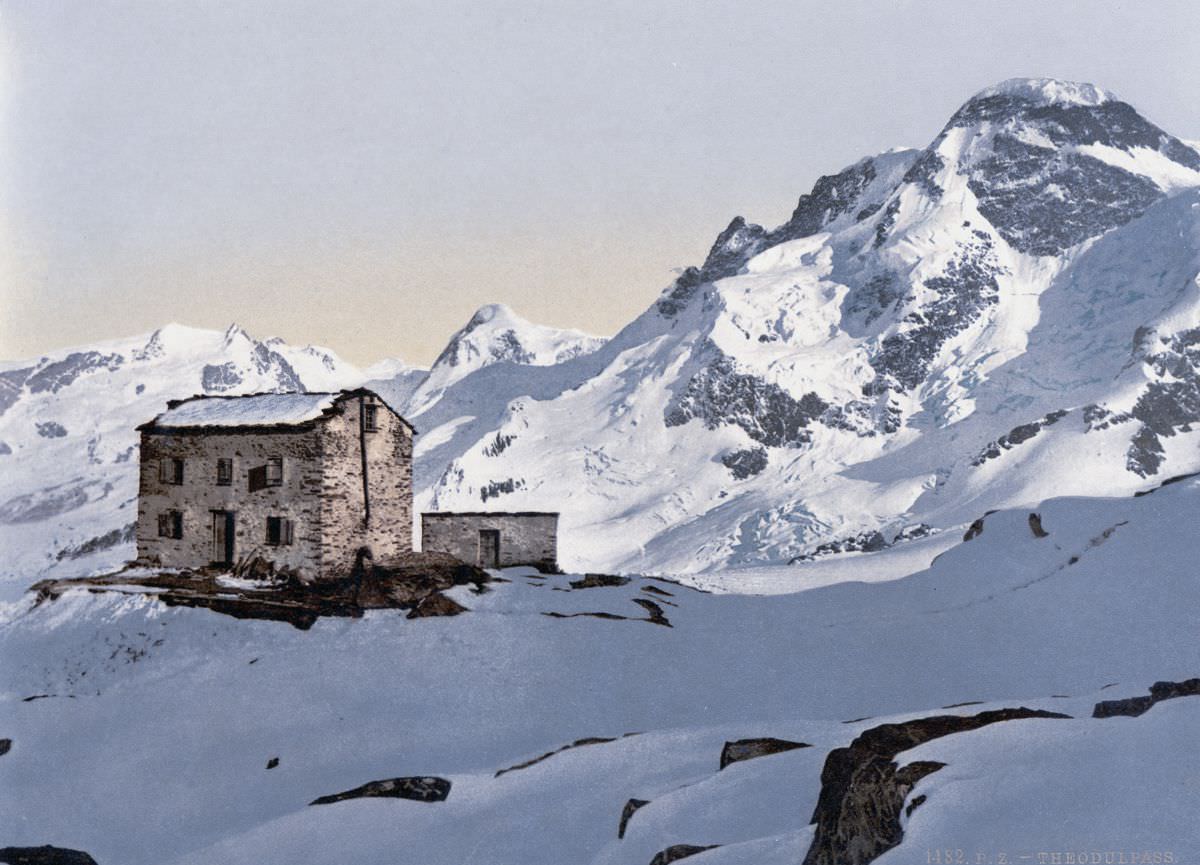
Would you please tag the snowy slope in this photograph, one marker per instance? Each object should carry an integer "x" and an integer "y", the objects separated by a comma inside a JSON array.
[
  {"x": 1007, "y": 313},
  {"x": 153, "y": 741},
  {"x": 68, "y": 447}
]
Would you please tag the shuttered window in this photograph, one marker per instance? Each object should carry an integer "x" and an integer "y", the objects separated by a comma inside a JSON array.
[
  {"x": 170, "y": 471},
  {"x": 370, "y": 418},
  {"x": 170, "y": 524},
  {"x": 279, "y": 531},
  {"x": 224, "y": 472},
  {"x": 275, "y": 471}
]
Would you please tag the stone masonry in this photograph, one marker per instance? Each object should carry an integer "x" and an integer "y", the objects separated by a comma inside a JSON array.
[
  {"x": 337, "y": 483},
  {"x": 494, "y": 539}
]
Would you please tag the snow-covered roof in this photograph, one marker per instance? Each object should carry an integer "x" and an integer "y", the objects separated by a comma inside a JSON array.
[
  {"x": 251, "y": 410},
  {"x": 261, "y": 409}
]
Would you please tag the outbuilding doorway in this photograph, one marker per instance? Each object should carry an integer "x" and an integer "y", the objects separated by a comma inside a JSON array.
[{"x": 489, "y": 548}]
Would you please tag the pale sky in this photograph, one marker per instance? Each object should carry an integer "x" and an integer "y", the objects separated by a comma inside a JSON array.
[{"x": 365, "y": 175}]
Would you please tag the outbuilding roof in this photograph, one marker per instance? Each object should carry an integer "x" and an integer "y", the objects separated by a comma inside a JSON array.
[{"x": 256, "y": 410}]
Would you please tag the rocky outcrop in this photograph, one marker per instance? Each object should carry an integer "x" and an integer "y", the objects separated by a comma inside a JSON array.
[
  {"x": 628, "y": 811},
  {"x": 1035, "y": 526},
  {"x": 745, "y": 463},
  {"x": 679, "y": 851},
  {"x": 434, "y": 605},
  {"x": 420, "y": 789},
  {"x": 866, "y": 542},
  {"x": 578, "y": 743},
  {"x": 1017, "y": 435},
  {"x": 1132, "y": 707},
  {"x": 863, "y": 790},
  {"x": 5, "y": 746},
  {"x": 45, "y": 855},
  {"x": 656, "y": 615},
  {"x": 595, "y": 581},
  {"x": 748, "y": 749}
]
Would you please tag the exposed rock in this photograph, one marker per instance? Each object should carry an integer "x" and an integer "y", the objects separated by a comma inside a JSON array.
[
  {"x": 1017, "y": 435},
  {"x": 435, "y": 605},
  {"x": 45, "y": 855},
  {"x": 1035, "y": 526},
  {"x": 1134, "y": 706},
  {"x": 719, "y": 396},
  {"x": 52, "y": 377},
  {"x": 679, "y": 851},
  {"x": 745, "y": 463},
  {"x": 51, "y": 430},
  {"x": 656, "y": 612},
  {"x": 406, "y": 582},
  {"x": 106, "y": 541},
  {"x": 5, "y": 746},
  {"x": 656, "y": 590},
  {"x": 1166, "y": 406},
  {"x": 593, "y": 581},
  {"x": 273, "y": 762},
  {"x": 863, "y": 790},
  {"x": 218, "y": 378},
  {"x": 628, "y": 811},
  {"x": 578, "y": 743},
  {"x": 495, "y": 489},
  {"x": 421, "y": 789},
  {"x": 748, "y": 749},
  {"x": 865, "y": 542}
]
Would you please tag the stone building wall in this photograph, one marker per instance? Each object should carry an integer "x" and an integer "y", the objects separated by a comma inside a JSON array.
[
  {"x": 296, "y": 499},
  {"x": 388, "y": 531},
  {"x": 526, "y": 538}
]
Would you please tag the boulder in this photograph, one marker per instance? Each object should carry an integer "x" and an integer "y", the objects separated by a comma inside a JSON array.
[
  {"x": 418, "y": 789},
  {"x": 45, "y": 855},
  {"x": 679, "y": 851},
  {"x": 1132, "y": 707},
  {"x": 748, "y": 749}
]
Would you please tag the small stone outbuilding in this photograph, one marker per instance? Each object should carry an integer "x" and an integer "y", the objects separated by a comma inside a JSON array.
[
  {"x": 494, "y": 539},
  {"x": 307, "y": 481}
]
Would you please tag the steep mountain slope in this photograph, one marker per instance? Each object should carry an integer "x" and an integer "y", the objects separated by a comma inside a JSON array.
[
  {"x": 1009, "y": 311},
  {"x": 68, "y": 448}
]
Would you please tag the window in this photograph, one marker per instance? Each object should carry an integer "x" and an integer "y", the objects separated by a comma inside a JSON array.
[
  {"x": 370, "y": 418},
  {"x": 224, "y": 472},
  {"x": 270, "y": 475},
  {"x": 170, "y": 524},
  {"x": 279, "y": 531},
  {"x": 170, "y": 471}
]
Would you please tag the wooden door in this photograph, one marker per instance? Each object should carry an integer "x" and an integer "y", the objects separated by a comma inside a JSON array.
[
  {"x": 222, "y": 536},
  {"x": 489, "y": 548}
]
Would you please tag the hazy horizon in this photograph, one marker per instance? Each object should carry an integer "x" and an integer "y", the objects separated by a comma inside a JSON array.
[{"x": 364, "y": 177}]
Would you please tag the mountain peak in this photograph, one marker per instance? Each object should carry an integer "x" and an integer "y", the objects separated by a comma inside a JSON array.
[{"x": 1049, "y": 91}]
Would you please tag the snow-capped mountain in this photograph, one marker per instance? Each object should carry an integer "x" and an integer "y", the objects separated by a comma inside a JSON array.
[
  {"x": 1007, "y": 313},
  {"x": 68, "y": 447}
]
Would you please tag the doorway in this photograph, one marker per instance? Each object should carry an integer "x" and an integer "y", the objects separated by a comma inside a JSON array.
[
  {"x": 222, "y": 537},
  {"x": 489, "y": 548}
]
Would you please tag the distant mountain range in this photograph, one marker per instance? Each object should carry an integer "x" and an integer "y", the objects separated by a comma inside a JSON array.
[{"x": 1008, "y": 314}]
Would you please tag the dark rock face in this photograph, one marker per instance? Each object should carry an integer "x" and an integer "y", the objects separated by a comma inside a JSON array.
[
  {"x": 508, "y": 348},
  {"x": 745, "y": 463},
  {"x": 866, "y": 542},
  {"x": 5, "y": 746},
  {"x": 679, "y": 851},
  {"x": 11, "y": 383},
  {"x": 495, "y": 489},
  {"x": 217, "y": 378},
  {"x": 1017, "y": 435},
  {"x": 928, "y": 165},
  {"x": 273, "y": 762},
  {"x": 1168, "y": 406},
  {"x": 628, "y": 811},
  {"x": 748, "y": 749},
  {"x": 53, "y": 377},
  {"x": 1043, "y": 200},
  {"x": 435, "y": 604},
  {"x": 423, "y": 789},
  {"x": 719, "y": 395},
  {"x": 1135, "y": 706},
  {"x": 961, "y": 295},
  {"x": 51, "y": 430},
  {"x": 863, "y": 790},
  {"x": 45, "y": 855},
  {"x": 831, "y": 197},
  {"x": 106, "y": 541},
  {"x": 656, "y": 615}
]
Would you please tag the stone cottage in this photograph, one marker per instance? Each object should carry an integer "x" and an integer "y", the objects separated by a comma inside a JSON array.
[
  {"x": 494, "y": 539},
  {"x": 307, "y": 481}
]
